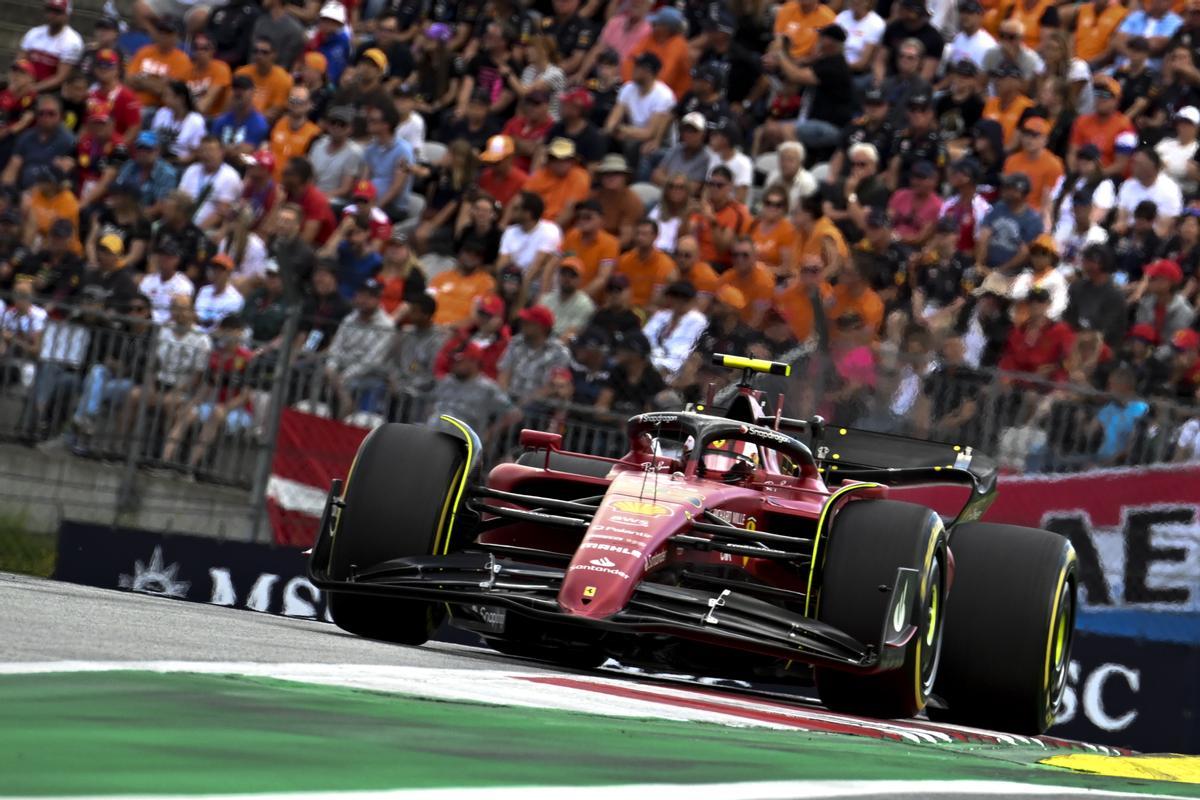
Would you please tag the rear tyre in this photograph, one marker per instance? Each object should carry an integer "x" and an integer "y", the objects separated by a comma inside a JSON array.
[
  {"x": 1009, "y": 628},
  {"x": 868, "y": 542},
  {"x": 398, "y": 499}
]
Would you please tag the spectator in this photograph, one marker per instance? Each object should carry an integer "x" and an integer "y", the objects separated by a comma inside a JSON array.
[
  {"x": 218, "y": 299},
  {"x": 959, "y": 108},
  {"x": 178, "y": 126},
  {"x": 363, "y": 88},
  {"x": 1043, "y": 274},
  {"x": 530, "y": 243},
  {"x": 972, "y": 42},
  {"x": 281, "y": 30},
  {"x": 561, "y": 183},
  {"x": 468, "y": 395},
  {"x": 1178, "y": 152},
  {"x": 457, "y": 288},
  {"x": 802, "y": 300},
  {"x": 718, "y": 219},
  {"x": 22, "y": 326},
  {"x": 356, "y": 364},
  {"x": 724, "y": 139},
  {"x": 1074, "y": 236},
  {"x": 620, "y": 206},
  {"x": 674, "y": 329},
  {"x": 791, "y": 174},
  {"x": 575, "y": 124},
  {"x": 1034, "y": 161},
  {"x": 726, "y": 333},
  {"x": 1162, "y": 306},
  {"x": 1156, "y": 22},
  {"x": 1095, "y": 26},
  {"x": 1009, "y": 104},
  {"x": 647, "y": 268},
  {"x": 266, "y": 310},
  {"x": 596, "y": 248},
  {"x": 529, "y": 127},
  {"x": 1102, "y": 127},
  {"x": 1184, "y": 379},
  {"x": 615, "y": 315},
  {"x": 49, "y": 201},
  {"x": 331, "y": 39},
  {"x": 181, "y": 353},
  {"x": 53, "y": 48},
  {"x": 920, "y": 140},
  {"x": 241, "y": 129},
  {"x": 621, "y": 33},
  {"x": 296, "y": 186},
  {"x": 914, "y": 210},
  {"x": 219, "y": 398},
  {"x": 389, "y": 161},
  {"x": 119, "y": 365},
  {"x": 796, "y": 26},
  {"x": 486, "y": 327},
  {"x": 336, "y": 158},
  {"x": 212, "y": 184},
  {"x": 1039, "y": 345},
  {"x": 753, "y": 280},
  {"x": 773, "y": 234},
  {"x": 294, "y": 133},
  {"x": 211, "y": 77},
  {"x": 47, "y": 144},
  {"x": 410, "y": 125},
  {"x": 571, "y": 307},
  {"x": 414, "y": 350},
  {"x": 350, "y": 247},
  {"x": 1148, "y": 182},
  {"x": 56, "y": 268},
  {"x": 634, "y": 384},
  {"x": 1013, "y": 48},
  {"x": 643, "y": 111},
  {"x": 1088, "y": 178},
  {"x": 163, "y": 281},
  {"x": 1008, "y": 229},
  {"x": 501, "y": 179},
  {"x": 690, "y": 158},
  {"x": 816, "y": 234},
  {"x": 400, "y": 275},
  {"x": 155, "y": 65},
  {"x": 147, "y": 175},
  {"x": 668, "y": 43},
  {"x": 323, "y": 310},
  {"x": 671, "y": 212},
  {"x": 526, "y": 365},
  {"x": 245, "y": 248},
  {"x": 864, "y": 33},
  {"x": 707, "y": 97},
  {"x": 828, "y": 83},
  {"x": 176, "y": 223},
  {"x": 111, "y": 95},
  {"x": 911, "y": 22},
  {"x": 100, "y": 154},
  {"x": 954, "y": 390}
]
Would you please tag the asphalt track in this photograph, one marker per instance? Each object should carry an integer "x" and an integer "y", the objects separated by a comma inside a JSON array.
[{"x": 46, "y": 621}]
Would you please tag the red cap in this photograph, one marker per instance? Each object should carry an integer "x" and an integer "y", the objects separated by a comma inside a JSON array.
[
  {"x": 561, "y": 374},
  {"x": 538, "y": 315},
  {"x": 24, "y": 65},
  {"x": 472, "y": 351},
  {"x": 1186, "y": 339},
  {"x": 62, "y": 6},
  {"x": 364, "y": 189},
  {"x": 108, "y": 56},
  {"x": 264, "y": 159},
  {"x": 1165, "y": 268},
  {"x": 580, "y": 97},
  {"x": 490, "y": 304},
  {"x": 1144, "y": 332}
]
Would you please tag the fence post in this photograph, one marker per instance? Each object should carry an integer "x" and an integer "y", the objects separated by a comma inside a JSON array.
[
  {"x": 279, "y": 388},
  {"x": 127, "y": 498}
]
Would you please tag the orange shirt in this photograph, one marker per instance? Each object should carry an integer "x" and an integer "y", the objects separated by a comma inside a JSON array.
[
  {"x": 1031, "y": 19},
  {"x": 676, "y": 61},
  {"x": 645, "y": 275},
  {"x": 286, "y": 142},
  {"x": 45, "y": 210},
  {"x": 867, "y": 305},
  {"x": 796, "y": 306},
  {"x": 213, "y": 80},
  {"x": 813, "y": 244},
  {"x": 1043, "y": 172},
  {"x": 703, "y": 277},
  {"x": 270, "y": 90},
  {"x": 801, "y": 28},
  {"x": 773, "y": 243},
  {"x": 455, "y": 294},
  {"x": 175, "y": 65},
  {"x": 1007, "y": 117},
  {"x": 1100, "y": 132},
  {"x": 1092, "y": 32},
  {"x": 557, "y": 192},
  {"x": 758, "y": 287},
  {"x": 734, "y": 216},
  {"x": 604, "y": 250}
]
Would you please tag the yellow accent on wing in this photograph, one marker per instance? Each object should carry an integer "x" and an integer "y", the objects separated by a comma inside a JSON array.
[{"x": 756, "y": 365}]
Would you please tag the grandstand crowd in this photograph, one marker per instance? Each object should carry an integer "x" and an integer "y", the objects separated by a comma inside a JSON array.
[{"x": 498, "y": 206}]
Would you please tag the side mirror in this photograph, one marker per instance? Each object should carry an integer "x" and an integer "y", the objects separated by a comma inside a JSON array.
[{"x": 540, "y": 440}]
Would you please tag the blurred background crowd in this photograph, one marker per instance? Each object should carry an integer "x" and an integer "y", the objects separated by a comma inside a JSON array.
[{"x": 972, "y": 221}]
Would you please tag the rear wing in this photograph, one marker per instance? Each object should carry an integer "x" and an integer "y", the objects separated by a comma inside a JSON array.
[{"x": 853, "y": 454}]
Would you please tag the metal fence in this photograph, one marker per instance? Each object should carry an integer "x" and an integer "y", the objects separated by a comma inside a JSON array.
[{"x": 146, "y": 398}]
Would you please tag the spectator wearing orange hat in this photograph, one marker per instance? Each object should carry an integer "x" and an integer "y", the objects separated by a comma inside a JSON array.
[
  {"x": 218, "y": 299},
  {"x": 753, "y": 279},
  {"x": 210, "y": 79},
  {"x": 1043, "y": 168},
  {"x": 272, "y": 83},
  {"x": 294, "y": 133},
  {"x": 1101, "y": 127},
  {"x": 1043, "y": 274},
  {"x": 1162, "y": 305},
  {"x": 648, "y": 269},
  {"x": 311, "y": 75},
  {"x": 531, "y": 356},
  {"x": 501, "y": 178},
  {"x": 572, "y": 308},
  {"x": 561, "y": 182}
]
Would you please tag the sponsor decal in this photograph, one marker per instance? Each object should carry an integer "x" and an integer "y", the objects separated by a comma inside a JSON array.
[
  {"x": 154, "y": 578},
  {"x": 600, "y": 569},
  {"x": 660, "y": 419},
  {"x": 602, "y": 562},
  {"x": 634, "y": 521},
  {"x": 656, "y": 559},
  {"x": 624, "y": 532},
  {"x": 610, "y": 548},
  {"x": 589, "y": 591},
  {"x": 641, "y": 508},
  {"x": 609, "y": 536},
  {"x": 732, "y": 517}
]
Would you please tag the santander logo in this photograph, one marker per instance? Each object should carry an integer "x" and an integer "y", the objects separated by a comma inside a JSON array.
[{"x": 603, "y": 562}]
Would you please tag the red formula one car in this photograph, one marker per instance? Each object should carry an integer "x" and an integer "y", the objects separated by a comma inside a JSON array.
[{"x": 739, "y": 544}]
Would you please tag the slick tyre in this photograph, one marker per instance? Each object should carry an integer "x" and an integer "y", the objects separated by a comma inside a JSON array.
[
  {"x": 398, "y": 500},
  {"x": 868, "y": 542},
  {"x": 1009, "y": 626}
]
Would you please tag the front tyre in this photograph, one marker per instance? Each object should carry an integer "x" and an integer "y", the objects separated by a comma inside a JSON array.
[
  {"x": 1009, "y": 628},
  {"x": 397, "y": 502},
  {"x": 868, "y": 542}
]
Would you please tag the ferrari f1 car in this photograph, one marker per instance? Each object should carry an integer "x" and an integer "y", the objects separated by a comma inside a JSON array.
[{"x": 740, "y": 544}]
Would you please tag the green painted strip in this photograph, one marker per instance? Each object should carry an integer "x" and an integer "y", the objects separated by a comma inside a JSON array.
[{"x": 142, "y": 732}]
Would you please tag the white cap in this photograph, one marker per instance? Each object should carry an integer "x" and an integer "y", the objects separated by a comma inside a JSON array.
[
  {"x": 334, "y": 10},
  {"x": 1190, "y": 113},
  {"x": 1126, "y": 142},
  {"x": 1078, "y": 71},
  {"x": 271, "y": 266},
  {"x": 694, "y": 119}
]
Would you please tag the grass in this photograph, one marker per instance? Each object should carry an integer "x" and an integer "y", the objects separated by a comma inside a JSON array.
[{"x": 25, "y": 551}]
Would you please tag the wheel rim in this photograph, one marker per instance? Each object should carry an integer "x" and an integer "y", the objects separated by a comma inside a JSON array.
[
  {"x": 931, "y": 652},
  {"x": 1064, "y": 622}
]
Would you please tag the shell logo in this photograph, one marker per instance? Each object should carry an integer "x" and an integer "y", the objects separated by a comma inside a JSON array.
[{"x": 640, "y": 508}]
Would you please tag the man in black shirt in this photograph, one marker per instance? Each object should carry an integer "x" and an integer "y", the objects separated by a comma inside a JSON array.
[
  {"x": 961, "y": 107},
  {"x": 920, "y": 141},
  {"x": 57, "y": 272},
  {"x": 706, "y": 96},
  {"x": 828, "y": 88},
  {"x": 743, "y": 69},
  {"x": 911, "y": 23},
  {"x": 615, "y": 316},
  {"x": 1095, "y": 301},
  {"x": 574, "y": 124},
  {"x": 573, "y": 34},
  {"x": 884, "y": 260}
]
